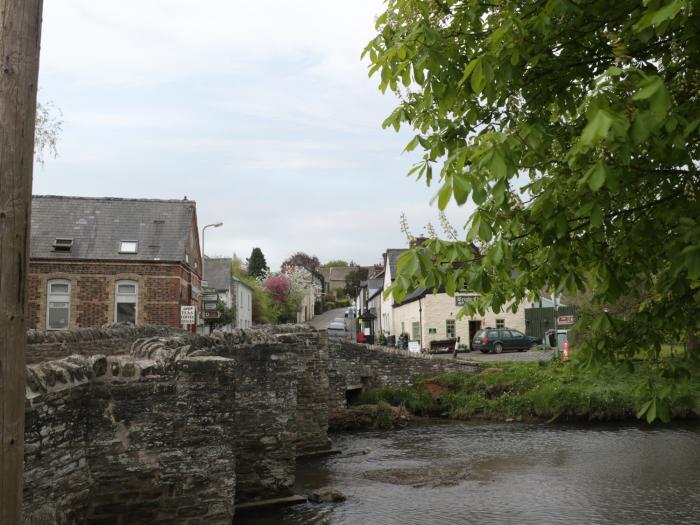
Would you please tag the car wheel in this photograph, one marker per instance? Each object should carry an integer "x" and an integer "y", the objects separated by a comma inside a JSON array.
[{"x": 498, "y": 348}]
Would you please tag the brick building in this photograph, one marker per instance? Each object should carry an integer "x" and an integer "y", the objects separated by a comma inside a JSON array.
[{"x": 97, "y": 261}]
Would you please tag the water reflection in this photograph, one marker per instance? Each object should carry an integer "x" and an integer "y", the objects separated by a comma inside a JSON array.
[{"x": 505, "y": 473}]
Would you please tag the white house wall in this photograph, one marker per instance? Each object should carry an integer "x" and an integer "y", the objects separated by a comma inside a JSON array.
[{"x": 436, "y": 309}]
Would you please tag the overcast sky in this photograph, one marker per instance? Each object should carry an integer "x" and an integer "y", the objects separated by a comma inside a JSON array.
[{"x": 260, "y": 111}]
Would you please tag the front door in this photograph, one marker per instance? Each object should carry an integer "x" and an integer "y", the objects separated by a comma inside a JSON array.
[{"x": 474, "y": 327}]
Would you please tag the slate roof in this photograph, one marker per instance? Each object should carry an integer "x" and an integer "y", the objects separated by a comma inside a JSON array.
[
  {"x": 98, "y": 225},
  {"x": 217, "y": 273},
  {"x": 391, "y": 257}
]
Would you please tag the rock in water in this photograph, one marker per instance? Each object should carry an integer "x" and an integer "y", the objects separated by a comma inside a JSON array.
[{"x": 326, "y": 495}]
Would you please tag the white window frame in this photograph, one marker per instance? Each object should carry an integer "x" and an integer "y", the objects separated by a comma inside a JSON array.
[
  {"x": 122, "y": 243},
  {"x": 50, "y": 294},
  {"x": 454, "y": 328},
  {"x": 135, "y": 295}
]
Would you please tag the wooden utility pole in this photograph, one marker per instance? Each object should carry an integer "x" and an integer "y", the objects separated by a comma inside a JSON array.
[{"x": 20, "y": 35}]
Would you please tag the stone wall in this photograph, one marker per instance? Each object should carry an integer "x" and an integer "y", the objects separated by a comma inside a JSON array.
[
  {"x": 178, "y": 427},
  {"x": 125, "y": 440},
  {"x": 354, "y": 366},
  {"x": 113, "y": 340}
]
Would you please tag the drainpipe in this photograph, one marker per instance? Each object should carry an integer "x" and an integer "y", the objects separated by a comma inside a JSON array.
[{"x": 420, "y": 324}]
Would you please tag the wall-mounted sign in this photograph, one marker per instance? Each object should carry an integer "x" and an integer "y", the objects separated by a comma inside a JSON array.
[
  {"x": 566, "y": 319},
  {"x": 414, "y": 346},
  {"x": 187, "y": 314},
  {"x": 211, "y": 314},
  {"x": 210, "y": 306},
  {"x": 461, "y": 300}
]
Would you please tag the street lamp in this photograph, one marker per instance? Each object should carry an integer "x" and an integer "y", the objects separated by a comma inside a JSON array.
[{"x": 213, "y": 225}]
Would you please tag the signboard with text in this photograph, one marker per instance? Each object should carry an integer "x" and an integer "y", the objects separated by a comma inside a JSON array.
[
  {"x": 461, "y": 300},
  {"x": 187, "y": 314},
  {"x": 566, "y": 319},
  {"x": 211, "y": 314},
  {"x": 414, "y": 346}
]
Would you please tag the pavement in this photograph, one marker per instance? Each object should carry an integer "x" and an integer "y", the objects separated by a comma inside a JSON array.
[{"x": 534, "y": 354}]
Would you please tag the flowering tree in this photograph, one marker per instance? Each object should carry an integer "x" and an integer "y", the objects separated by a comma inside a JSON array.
[
  {"x": 310, "y": 262},
  {"x": 302, "y": 280},
  {"x": 279, "y": 287}
]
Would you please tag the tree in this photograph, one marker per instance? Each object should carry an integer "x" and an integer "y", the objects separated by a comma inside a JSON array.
[
  {"x": 279, "y": 287},
  {"x": 48, "y": 128},
  {"x": 20, "y": 35},
  {"x": 257, "y": 266},
  {"x": 336, "y": 263},
  {"x": 353, "y": 280},
  {"x": 574, "y": 129},
  {"x": 310, "y": 262}
]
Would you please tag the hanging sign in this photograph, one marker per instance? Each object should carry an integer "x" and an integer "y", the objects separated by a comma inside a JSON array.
[{"x": 187, "y": 314}]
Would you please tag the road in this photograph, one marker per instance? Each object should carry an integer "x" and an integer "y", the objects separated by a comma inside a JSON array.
[
  {"x": 531, "y": 355},
  {"x": 320, "y": 322}
]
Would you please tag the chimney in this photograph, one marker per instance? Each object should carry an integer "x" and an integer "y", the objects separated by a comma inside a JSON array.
[{"x": 417, "y": 241}]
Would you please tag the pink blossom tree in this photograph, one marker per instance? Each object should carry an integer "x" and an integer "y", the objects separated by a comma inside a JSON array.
[{"x": 279, "y": 287}]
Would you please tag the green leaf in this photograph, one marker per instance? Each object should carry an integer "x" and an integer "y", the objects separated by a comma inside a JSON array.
[
  {"x": 651, "y": 412},
  {"x": 596, "y": 175},
  {"x": 597, "y": 128},
  {"x": 479, "y": 195},
  {"x": 643, "y": 409},
  {"x": 654, "y": 18},
  {"x": 597, "y": 217},
  {"x": 498, "y": 165},
  {"x": 444, "y": 195},
  {"x": 468, "y": 70},
  {"x": 478, "y": 81},
  {"x": 450, "y": 284},
  {"x": 648, "y": 87},
  {"x": 461, "y": 188},
  {"x": 485, "y": 232}
]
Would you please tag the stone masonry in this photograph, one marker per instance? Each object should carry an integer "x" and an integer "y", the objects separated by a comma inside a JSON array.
[{"x": 177, "y": 428}]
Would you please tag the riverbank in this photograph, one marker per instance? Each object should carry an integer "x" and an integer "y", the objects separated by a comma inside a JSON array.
[{"x": 544, "y": 391}]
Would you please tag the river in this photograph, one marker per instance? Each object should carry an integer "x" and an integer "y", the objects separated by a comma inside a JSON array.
[{"x": 463, "y": 473}]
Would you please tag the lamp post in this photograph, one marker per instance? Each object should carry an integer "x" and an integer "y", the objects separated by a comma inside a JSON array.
[{"x": 212, "y": 225}]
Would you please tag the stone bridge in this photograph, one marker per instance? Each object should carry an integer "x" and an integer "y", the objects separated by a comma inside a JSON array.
[{"x": 132, "y": 425}]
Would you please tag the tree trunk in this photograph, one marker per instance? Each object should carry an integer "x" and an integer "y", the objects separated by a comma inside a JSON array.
[
  {"x": 692, "y": 343},
  {"x": 20, "y": 32}
]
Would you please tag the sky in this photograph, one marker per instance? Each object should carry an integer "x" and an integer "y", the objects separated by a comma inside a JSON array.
[{"x": 262, "y": 112}]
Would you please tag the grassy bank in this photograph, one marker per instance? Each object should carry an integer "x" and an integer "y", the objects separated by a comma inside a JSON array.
[{"x": 545, "y": 391}]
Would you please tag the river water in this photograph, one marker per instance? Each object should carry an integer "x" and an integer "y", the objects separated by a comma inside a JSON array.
[{"x": 463, "y": 473}]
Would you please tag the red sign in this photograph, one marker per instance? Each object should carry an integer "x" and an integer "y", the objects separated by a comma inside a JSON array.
[
  {"x": 211, "y": 314},
  {"x": 566, "y": 319}
]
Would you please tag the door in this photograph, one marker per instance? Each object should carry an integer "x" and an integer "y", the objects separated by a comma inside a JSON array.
[{"x": 474, "y": 327}]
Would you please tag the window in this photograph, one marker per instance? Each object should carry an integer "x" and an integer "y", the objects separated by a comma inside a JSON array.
[
  {"x": 128, "y": 246},
  {"x": 415, "y": 331},
  {"x": 450, "y": 328},
  {"x": 126, "y": 302},
  {"x": 58, "y": 305},
  {"x": 500, "y": 323},
  {"x": 403, "y": 328},
  {"x": 62, "y": 245},
  {"x": 432, "y": 330}
]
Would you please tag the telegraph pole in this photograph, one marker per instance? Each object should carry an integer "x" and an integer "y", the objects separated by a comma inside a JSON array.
[{"x": 20, "y": 36}]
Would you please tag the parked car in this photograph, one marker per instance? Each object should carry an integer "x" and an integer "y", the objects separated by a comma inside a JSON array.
[
  {"x": 336, "y": 328},
  {"x": 496, "y": 340}
]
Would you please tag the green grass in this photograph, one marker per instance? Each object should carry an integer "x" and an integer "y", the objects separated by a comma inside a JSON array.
[{"x": 545, "y": 390}]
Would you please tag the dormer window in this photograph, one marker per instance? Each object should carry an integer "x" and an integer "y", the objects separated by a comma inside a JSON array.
[
  {"x": 62, "y": 244},
  {"x": 128, "y": 246}
]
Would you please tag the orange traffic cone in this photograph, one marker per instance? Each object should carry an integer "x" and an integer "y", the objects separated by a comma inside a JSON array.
[{"x": 566, "y": 350}]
